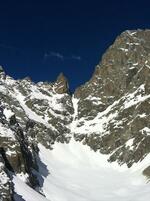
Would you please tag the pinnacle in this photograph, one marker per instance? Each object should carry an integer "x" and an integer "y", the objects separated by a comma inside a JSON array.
[
  {"x": 61, "y": 77},
  {"x": 1, "y": 69},
  {"x": 62, "y": 84}
]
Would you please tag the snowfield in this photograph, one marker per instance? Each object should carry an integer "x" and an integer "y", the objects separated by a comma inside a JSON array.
[{"x": 73, "y": 172}]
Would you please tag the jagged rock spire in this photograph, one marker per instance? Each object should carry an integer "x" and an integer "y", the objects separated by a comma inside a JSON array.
[
  {"x": 2, "y": 73},
  {"x": 1, "y": 69},
  {"x": 61, "y": 84}
]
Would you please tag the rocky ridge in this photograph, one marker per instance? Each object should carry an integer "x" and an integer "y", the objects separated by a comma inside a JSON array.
[{"x": 110, "y": 112}]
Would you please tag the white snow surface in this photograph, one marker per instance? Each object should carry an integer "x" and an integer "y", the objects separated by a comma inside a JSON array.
[
  {"x": 97, "y": 125},
  {"x": 26, "y": 192},
  {"x": 8, "y": 113},
  {"x": 136, "y": 97},
  {"x": 146, "y": 130},
  {"x": 6, "y": 132},
  {"x": 129, "y": 143},
  {"x": 31, "y": 114},
  {"x": 73, "y": 172}
]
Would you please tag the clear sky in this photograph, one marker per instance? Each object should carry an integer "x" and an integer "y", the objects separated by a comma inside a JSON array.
[{"x": 42, "y": 38}]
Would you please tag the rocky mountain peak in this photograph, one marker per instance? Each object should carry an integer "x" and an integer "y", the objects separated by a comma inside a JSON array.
[
  {"x": 61, "y": 84},
  {"x": 130, "y": 50},
  {"x": 122, "y": 61},
  {"x": 1, "y": 69},
  {"x": 119, "y": 87},
  {"x": 109, "y": 113},
  {"x": 2, "y": 73},
  {"x": 28, "y": 79}
]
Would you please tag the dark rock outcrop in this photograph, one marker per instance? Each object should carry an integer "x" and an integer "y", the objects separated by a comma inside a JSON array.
[{"x": 61, "y": 85}]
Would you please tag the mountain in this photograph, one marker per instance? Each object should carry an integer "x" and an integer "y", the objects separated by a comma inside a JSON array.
[{"x": 92, "y": 145}]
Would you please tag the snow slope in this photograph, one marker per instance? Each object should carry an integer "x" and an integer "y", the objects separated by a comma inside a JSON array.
[
  {"x": 73, "y": 172},
  {"x": 26, "y": 192}
]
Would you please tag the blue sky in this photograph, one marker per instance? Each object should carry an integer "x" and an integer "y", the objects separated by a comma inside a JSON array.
[{"x": 40, "y": 39}]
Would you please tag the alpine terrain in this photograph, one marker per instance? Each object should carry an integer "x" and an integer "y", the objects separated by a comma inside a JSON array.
[{"x": 93, "y": 145}]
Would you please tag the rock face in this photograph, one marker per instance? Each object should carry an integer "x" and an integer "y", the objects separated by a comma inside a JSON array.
[
  {"x": 110, "y": 113},
  {"x": 5, "y": 182},
  {"x": 61, "y": 84},
  {"x": 114, "y": 104}
]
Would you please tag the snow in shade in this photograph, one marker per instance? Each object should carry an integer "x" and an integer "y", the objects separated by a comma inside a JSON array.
[{"x": 73, "y": 172}]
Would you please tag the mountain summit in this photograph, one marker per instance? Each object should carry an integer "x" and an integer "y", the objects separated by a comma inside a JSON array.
[
  {"x": 51, "y": 140},
  {"x": 61, "y": 84}
]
